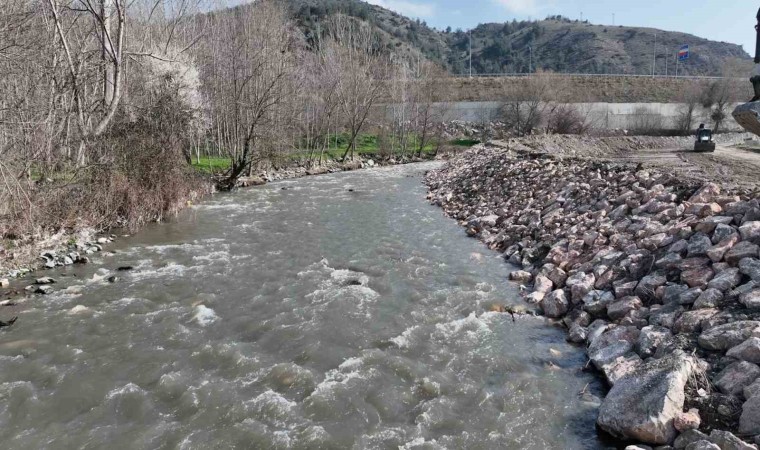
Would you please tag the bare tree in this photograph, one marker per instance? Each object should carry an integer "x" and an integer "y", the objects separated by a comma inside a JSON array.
[
  {"x": 362, "y": 70},
  {"x": 429, "y": 109},
  {"x": 525, "y": 106},
  {"x": 248, "y": 64},
  {"x": 687, "y": 111}
]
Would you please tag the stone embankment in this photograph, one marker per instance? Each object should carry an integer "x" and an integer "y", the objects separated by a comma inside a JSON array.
[
  {"x": 657, "y": 276},
  {"x": 303, "y": 168}
]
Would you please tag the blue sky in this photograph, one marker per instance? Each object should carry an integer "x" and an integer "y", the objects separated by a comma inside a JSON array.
[{"x": 720, "y": 20}]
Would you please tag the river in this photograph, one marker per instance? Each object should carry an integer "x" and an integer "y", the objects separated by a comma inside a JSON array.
[{"x": 337, "y": 311}]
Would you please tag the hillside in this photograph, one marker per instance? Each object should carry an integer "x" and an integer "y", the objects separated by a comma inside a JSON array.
[
  {"x": 558, "y": 44},
  {"x": 562, "y": 45}
]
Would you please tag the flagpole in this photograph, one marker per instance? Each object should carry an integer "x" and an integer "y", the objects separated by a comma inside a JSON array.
[{"x": 677, "y": 59}]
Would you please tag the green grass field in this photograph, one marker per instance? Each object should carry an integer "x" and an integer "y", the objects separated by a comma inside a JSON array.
[
  {"x": 366, "y": 144},
  {"x": 211, "y": 164}
]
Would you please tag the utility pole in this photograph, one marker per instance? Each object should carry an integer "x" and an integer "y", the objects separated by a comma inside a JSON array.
[
  {"x": 530, "y": 60},
  {"x": 613, "y": 19},
  {"x": 654, "y": 54},
  {"x": 470, "y": 53},
  {"x": 676, "y": 63}
]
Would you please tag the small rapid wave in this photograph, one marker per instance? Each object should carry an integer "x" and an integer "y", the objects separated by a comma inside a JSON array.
[{"x": 205, "y": 316}]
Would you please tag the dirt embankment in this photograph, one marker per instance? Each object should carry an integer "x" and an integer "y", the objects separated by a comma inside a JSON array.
[
  {"x": 733, "y": 164},
  {"x": 592, "y": 89},
  {"x": 657, "y": 274}
]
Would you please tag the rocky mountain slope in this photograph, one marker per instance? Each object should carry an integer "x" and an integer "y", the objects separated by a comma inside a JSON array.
[{"x": 558, "y": 44}]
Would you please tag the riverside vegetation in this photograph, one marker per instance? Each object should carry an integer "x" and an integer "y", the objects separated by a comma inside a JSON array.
[
  {"x": 657, "y": 276},
  {"x": 107, "y": 106}
]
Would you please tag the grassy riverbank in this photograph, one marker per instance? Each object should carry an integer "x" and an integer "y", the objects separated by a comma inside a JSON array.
[{"x": 368, "y": 146}]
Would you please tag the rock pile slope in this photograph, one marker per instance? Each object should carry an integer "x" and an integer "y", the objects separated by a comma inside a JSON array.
[{"x": 659, "y": 277}]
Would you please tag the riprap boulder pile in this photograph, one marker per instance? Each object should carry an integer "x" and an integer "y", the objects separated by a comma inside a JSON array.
[{"x": 657, "y": 276}]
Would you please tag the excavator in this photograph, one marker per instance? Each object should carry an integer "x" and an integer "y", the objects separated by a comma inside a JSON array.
[{"x": 748, "y": 114}]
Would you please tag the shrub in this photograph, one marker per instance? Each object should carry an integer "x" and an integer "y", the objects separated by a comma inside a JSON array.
[{"x": 567, "y": 119}]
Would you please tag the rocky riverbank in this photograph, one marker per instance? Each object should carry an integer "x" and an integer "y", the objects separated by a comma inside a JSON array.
[
  {"x": 303, "y": 168},
  {"x": 72, "y": 247},
  {"x": 658, "y": 276}
]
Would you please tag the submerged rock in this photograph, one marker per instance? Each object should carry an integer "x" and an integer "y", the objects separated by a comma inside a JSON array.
[{"x": 44, "y": 280}]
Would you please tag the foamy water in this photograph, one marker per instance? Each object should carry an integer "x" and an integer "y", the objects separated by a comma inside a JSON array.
[{"x": 306, "y": 317}]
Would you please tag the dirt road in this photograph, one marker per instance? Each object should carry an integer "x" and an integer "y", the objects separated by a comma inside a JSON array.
[{"x": 734, "y": 165}]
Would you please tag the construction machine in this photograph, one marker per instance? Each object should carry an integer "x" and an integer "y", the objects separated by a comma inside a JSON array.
[
  {"x": 704, "y": 143},
  {"x": 748, "y": 114}
]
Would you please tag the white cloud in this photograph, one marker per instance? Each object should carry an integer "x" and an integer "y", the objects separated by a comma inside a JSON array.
[
  {"x": 407, "y": 8},
  {"x": 519, "y": 6}
]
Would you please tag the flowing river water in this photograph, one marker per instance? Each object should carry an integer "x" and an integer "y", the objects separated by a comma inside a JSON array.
[{"x": 338, "y": 311}]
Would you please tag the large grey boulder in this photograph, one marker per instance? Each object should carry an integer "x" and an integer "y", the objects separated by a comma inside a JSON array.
[
  {"x": 749, "y": 422},
  {"x": 748, "y": 350},
  {"x": 698, "y": 277},
  {"x": 710, "y": 298},
  {"x": 721, "y": 232},
  {"x": 751, "y": 299},
  {"x": 723, "y": 337},
  {"x": 580, "y": 284},
  {"x": 621, "y": 367},
  {"x": 751, "y": 268},
  {"x": 643, "y": 405},
  {"x": 689, "y": 437},
  {"x": 648, "y": 286},
  {"x": 734, "y": 378},
  {"x": 555, "y": 304},
  {"x": 672, "y": 293},
  {"x": 650, "y": 338},
  {"x": 698, "y": 245},
  {"x": 689, "y": 296},
  {"x": 577, "y": 334},
  {"x": 691, "y": 321},
  {"x": 666, "y": 316},
  {"x": 752, "y": 390},
  {"x": 727, "y": 441},
  {"x": 750, "y": 231},
  {"x": 740, "y": 251},
  {"x": 726, "y": 280},
  {"x": 612, "y": 344},
  {"x": 542, "y": 284},
  {"x": 702, "y": 445},
  {"x": 621, "y": 308},
  {"x": 595, "y": 302}
]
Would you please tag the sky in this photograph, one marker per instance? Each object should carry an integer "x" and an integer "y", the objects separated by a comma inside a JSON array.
[{"x": 720, "y": 20}]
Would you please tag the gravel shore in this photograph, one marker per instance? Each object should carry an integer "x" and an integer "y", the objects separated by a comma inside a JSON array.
[{"x": 657, "y": 275}]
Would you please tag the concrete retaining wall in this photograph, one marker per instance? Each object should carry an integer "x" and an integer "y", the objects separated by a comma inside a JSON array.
[{"x": 603, "y": 116}]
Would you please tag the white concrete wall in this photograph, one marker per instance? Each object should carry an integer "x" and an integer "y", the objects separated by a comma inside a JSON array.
[{"x": 607, "y": 116}]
